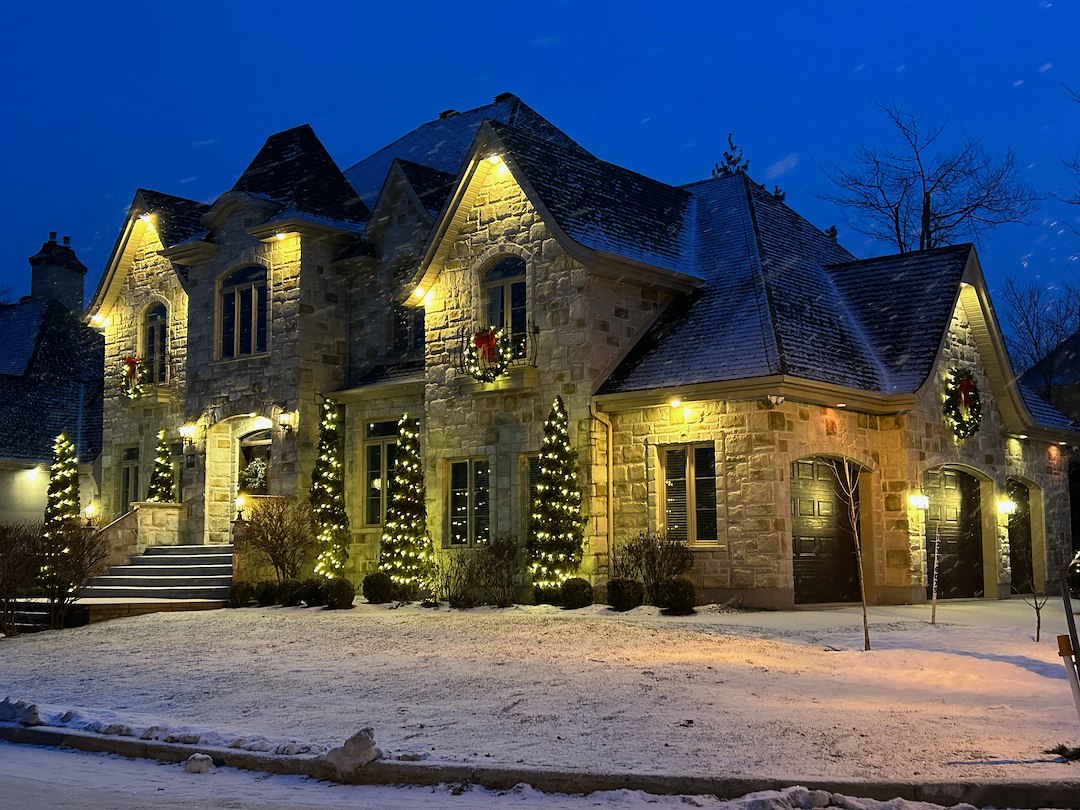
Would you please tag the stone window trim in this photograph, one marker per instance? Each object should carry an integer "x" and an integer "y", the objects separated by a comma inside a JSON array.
[
  {"x": 499, "y": 296},
  {"x": 242, "y": 292},
  {"x": 468, "y": 502},
  {"x": 154, "y": 336},
  {"x": 689, "y": 507}
]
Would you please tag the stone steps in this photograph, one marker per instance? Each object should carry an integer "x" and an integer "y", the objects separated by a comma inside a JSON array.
[{"x": 168, "y": 572}]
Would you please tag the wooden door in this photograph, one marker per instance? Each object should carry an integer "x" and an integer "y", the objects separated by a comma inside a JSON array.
[
  {"x": 954, "y": 516},
  {"x": 822, "y": 542},
  {"x": 1020, "y": 559}
]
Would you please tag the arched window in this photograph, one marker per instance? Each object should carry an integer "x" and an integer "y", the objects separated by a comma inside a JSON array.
[
  {"x": 155, "y": 344},
  {"x": 243, "y": 312},
  {"x": 504, "y": 300}
]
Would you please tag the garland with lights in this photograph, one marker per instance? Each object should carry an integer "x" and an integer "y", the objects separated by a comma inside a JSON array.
[
  {"x": 489, "y": 354},
  {"x": 405, "y": 553},
  {"x": 557, "y": 533},
  {"x": 327, "y": 496},
  {"x": 134, "y": 377},
  {"x": 62, "y": 500},
  {"x": 161, "y": 479},
  {"x": 963, "y": 406}
]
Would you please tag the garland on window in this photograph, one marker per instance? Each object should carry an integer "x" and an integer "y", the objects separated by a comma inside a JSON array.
[
  {"x": 135, "y": 377},
  {"x": 963, "y": 407},
  {"x": 490, "y": 352}
]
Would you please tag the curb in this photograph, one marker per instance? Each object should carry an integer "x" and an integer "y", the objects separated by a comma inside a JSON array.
[{"x": 1063, "y": 793}]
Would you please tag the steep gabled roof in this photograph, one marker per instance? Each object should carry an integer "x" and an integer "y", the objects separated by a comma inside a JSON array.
[
  {"x": 443, "y": 144},
  {"x": 294, "y": 168},
  {"x": 176, "y": 219},
  {"x": 431, "y": 186}
]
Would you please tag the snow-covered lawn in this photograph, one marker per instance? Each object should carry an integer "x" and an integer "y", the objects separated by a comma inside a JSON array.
[{"x": 790, "y": 695}]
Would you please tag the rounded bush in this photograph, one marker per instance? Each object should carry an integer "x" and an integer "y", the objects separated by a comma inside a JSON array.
[
  {"x": 548, "y": 596},
  {"x": 291, "y": 592},
  {"x": 314, "y": 592},
  {"x": 378, "y": 588},
  {"x": 625, "y": 594},
  {"x": 576, "y": 593},
  {"x": 266, "y": 594},
  {"x": 466, "y": 597},
  {"x": 340, "y": 594},
  {"x": 241, "y": 594},
  {"x": 677, "y": 596}
]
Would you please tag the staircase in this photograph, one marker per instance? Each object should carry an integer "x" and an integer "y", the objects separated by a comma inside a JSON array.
[{"x": 168, "y": 572}]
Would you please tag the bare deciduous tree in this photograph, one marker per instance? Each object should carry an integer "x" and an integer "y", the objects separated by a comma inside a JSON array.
[
  {"x": 20, "y": 550},
  {"x": 282, "y": 531},
  {"x": 847, "y": 475},
  {"x": 72, "y": 554},
  {"x": 1037, "y": 319},
  {"x": 921, "y": 194}
]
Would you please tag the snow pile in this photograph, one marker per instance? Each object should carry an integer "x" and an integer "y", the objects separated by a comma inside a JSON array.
[
  {"x": 39, "y": 714},
  {"x": 199, "y": 763}
]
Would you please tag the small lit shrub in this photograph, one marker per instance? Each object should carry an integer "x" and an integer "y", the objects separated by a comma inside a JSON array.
[
  {"x": 241, "y": 594},
  {"x": 340, "y": 593},
  {"x": 677, "y": 596},
  {"x": 625, "y": 594},
  {"x": 501, "y": 569},
  {"x": 547, "y": 596},
  {"x": 266, "y": 594},
  {"x": 458, "y": 578},
  {"x": 576, "y": 593},
  {"x": 656, "y": 557},
  {"x": 378, "y": 588},
  {"x": 291, "y": 592},
  {"x": 314, "y": 592}
]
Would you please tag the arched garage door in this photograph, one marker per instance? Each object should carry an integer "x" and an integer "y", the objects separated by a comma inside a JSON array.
[
  {"x": 822, "y": 542},
  {"x": 954, "y": 518}
]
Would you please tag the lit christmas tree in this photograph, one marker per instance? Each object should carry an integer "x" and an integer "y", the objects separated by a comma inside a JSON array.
[
  {"x": 328, "y": 497},
  {"x": 161, "y": 479},
  {"x": 62, "y": 501},
  {"x": 405, "y": 553},
  {"x": 557, "y": 532}
]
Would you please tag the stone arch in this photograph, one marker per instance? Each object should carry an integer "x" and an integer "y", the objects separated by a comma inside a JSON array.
[
  {"x": 480, "y": 265},
  {"x": 222, "y": 440}
]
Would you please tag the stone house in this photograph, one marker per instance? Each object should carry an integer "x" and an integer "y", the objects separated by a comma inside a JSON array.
[
  {"x": 50, "y": 383},
  {"x": 716, "y": 352}
]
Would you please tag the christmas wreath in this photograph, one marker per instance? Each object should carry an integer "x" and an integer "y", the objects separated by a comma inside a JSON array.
[
  {"x": 963, "y": 408},
  {"x": 253, "y": 476},
  {"x": 134, "y": 377},
  {"x": 490, "y": 352}
]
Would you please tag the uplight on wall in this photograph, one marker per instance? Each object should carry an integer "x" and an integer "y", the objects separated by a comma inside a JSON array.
[
  {"x": 916, "y": 500},
  {"x": 187, "y": 433},
  {"x": 1006, "y": 506}
]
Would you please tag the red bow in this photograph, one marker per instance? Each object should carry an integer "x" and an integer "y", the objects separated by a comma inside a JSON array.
[
  {"x": 966, "y": 387},
  {"x": 485, "y": 342},
  {"x": 132, "y": 364}
]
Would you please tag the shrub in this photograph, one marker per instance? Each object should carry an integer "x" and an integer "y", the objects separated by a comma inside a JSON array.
[
  {"x": 291, "y": 592},
  {"x": 378, "y": 588},
  {"x": 501, "y": 569},
  {"x": 241, "y": 594},
  {"x": 547, "y": 596},
  {"x": 340, "y": 593},
  {"x": 280, "y": 530},
  {"x": 677, "y": 596},
  {"x": 72, "y": 554},
  {"x": 20, "y": 561},
  {"x": 576, "y": 593},
  {"x": 266, "y": 594},
  {"x": 457, "y": 574},
  {"x": 625, "y": 594},
  {"x": 314, "y": 594},
  {"x": 656, "y": 557}
]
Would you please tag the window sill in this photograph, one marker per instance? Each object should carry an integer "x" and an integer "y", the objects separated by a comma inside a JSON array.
[
  {"x": 516, "y": 378},
  {"x": 240, "y": 358},
  {"x": 157, "y": 395}
]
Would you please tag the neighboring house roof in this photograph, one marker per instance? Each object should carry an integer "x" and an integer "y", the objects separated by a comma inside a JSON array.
[
  {"x": 175, "y": 219},
  {"x": 294, "y": 168},
  {"x": 1060, "y": 367},
  {"x": 1046, "y": 415},
  {"x": 443, "y": 144},
  {"x": 50, "y": 381}
]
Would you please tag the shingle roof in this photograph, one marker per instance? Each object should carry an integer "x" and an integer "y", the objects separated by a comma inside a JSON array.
[
  {"x": 1046, "y": 415},
  {"x": 294, "y": 168},
  {"x": 444, "y": 143},
  {"x": 1060, "y": 367},
  {"x": 892, "y": 294},
  {"x": 56, "y": 254},
  {"x": 432, "y": 187},
  {"x": 175, "y": 219},
  {"x": 404, "y": 371},
  {"x": 19, "y": 327}
]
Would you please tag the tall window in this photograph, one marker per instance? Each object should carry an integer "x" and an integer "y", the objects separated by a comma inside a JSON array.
[
  {"x": 380, "y": 455},
  {"x": 243, "y": 312},
  {"x": 129, "y": 478},
  {"x": 408, "y": 329},
  {"x": 690, "y": 493},
  {"x": 470, "y": 505},
  {"x": 155, "y": 344},
  {"x": 504, "y": 300}
]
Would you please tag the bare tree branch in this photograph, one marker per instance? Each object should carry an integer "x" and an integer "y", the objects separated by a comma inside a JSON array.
[{"x": 1037, "y": 319}]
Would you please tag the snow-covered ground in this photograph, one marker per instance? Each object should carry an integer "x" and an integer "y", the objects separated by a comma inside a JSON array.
[{"x": 789, "y": 695}]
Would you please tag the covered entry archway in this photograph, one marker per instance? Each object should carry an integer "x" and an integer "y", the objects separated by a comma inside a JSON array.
[
  {"x": 227, "y": 454},
  {"x": 824, "y": 560},
  {"x": 953, "y": 533}
]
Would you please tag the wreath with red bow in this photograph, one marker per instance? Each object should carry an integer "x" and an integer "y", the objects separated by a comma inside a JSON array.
[
  {"x": 963, "y": 407},
  {"x": 489, "y": 354},
  {"x": 134, "y": 374}
]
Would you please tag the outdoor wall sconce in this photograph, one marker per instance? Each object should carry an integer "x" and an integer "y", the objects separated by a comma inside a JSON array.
[
  {"x": 675, "y": 402},
  {"x": 90, "y": 511},
  {"x": 187, "y": 432},
  {"x": 239, "y": 508},
  {"x": 286, "y": 420},
  {"x": 1006, "y": 507},
  {"x": 918, "y": 501}
]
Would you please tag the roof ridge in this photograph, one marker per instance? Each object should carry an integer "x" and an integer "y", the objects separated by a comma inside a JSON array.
[{"x": 766, "y": 282}]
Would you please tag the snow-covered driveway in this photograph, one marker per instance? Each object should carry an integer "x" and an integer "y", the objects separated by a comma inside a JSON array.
[{"x": 787, "y": 695}]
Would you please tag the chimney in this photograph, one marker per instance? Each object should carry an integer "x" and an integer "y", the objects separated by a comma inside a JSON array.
[{"x": 55, "y": 272}]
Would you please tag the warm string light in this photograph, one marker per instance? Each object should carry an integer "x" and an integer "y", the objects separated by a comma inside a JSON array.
[
  {"x": 405, "y": 553},
  {"x": 161, "y": 479},
  {"x": 327, "y": 497}
]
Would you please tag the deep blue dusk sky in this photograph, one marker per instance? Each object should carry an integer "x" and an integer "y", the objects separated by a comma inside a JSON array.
[{"x": 103, "y": 98}]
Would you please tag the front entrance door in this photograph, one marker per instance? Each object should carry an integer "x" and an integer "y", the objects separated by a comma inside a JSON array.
[
  {"x": 822, "y": 542},
  {"x": 954, "y": 519},
  {"x": 1020, "y": 559}
]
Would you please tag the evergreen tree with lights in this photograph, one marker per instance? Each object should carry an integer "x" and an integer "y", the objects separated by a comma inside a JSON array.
[
  {"x": 62, "y": 500},
  {"x": 327, "y": 497},
  {"x": 161, "y": 479},
  {"x": 557, "y": 534},
  {"x": 406, "y": 553}
]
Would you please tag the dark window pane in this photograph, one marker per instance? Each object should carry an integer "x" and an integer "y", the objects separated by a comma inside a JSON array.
[
  {"x": 481, "y": 497},
  {"x": 459, "y": 503},
  {"x": 244, "y": 320},
  {"x": 374, "y": 485},
  {"x": 510, "y": 267},
  {"x": 228, "y": 324},
  {"x": 246, "y": 275},
  {"x": 675, "y": 504},
  {"x": 381, "y": 430},
  {"x": 534, "y": 479},
  {"x": 495, "y": 314},
  {"x": 260, "y": 323}
]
